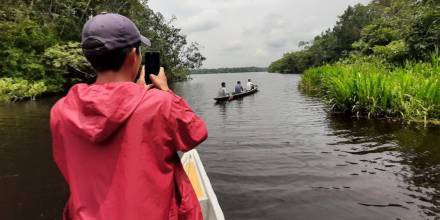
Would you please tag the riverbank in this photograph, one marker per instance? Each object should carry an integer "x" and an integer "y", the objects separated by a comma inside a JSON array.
[
  {"x": 251, "y": 69},
  {"x": 370, "y": 88},
  {"x": 17, "y": 89}
]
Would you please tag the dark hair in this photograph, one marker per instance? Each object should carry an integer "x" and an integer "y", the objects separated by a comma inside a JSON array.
[
  {"x": 223, "y": 84},
  {"x": 249, "y": 80},
  {"x": 238, "y": 82},
  {"x": 112, "y": 60}
]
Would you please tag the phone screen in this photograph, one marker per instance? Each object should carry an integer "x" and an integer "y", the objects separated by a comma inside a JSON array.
[{"x": 152, "y": 64}]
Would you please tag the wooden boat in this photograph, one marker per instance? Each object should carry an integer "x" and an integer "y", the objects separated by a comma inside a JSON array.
[
  {"x": 236, "y": 96},
  {"x": 202, "y": 186}
]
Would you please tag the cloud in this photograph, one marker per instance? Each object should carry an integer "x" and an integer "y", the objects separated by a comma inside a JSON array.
[
  {"x": 233, "y": 46},
  {"x": 275, "y": 43},
  {"x": 205, "y": 21},
  {"x": 250, "y": 32},
  {"x": 274, "y": 21},
  {"x": 260, "y": 53}
]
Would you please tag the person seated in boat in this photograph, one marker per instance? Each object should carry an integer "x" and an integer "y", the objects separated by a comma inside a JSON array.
[
  {"x": 238, "y": 88},
  {"x": 223, "y": 91},
  {"x": 250, "y": 85}
]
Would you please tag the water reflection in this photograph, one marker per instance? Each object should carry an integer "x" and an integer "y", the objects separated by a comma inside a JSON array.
[
  {"x": 410, "y": 152},
  {"x": 223, "y": 110},
  {"x": 30, "y": 185}
]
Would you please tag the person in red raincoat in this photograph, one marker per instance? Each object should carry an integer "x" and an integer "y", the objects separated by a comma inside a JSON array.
[{"x": 116, "y": 142}]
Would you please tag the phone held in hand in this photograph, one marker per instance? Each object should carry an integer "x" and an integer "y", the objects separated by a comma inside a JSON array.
[{"x": 152, "y": 64}]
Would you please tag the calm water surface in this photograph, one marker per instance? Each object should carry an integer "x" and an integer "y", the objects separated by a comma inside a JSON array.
[{"x": 274, "y": 155}]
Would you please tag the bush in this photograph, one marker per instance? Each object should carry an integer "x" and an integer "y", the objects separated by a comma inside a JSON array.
[
  {"x": 14, "y": 89},
  {"x": 295, "y": 62},
  {"x": 21, "y": 45},
  {"x": 394, "y": 52}
]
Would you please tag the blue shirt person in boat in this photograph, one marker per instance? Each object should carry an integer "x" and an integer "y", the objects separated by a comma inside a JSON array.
[
  {"x": 223, "y": 91},
  {"x": 238, "y": 88}
]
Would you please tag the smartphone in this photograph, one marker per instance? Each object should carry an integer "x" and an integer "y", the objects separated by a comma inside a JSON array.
[{"x": 152, "y": 64}]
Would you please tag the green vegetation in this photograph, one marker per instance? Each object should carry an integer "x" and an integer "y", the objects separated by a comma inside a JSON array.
[
  {"x": 230, "y": 70},
  {"x": 379, "y": 60},
  {"x": 370, "y": 87},
  {"x": 394, "y": 30},
  {"x": 39, "y": 44},
  {"x": 15, "y": 89}
]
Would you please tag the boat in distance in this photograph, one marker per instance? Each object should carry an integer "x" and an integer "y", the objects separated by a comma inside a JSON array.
[{"x": 237, "y": 95}]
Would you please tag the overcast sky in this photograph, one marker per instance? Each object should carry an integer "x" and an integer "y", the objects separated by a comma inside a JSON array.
[{"x": 236, "y": 33}]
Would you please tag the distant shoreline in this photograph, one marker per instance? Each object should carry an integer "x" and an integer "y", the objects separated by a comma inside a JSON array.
[{"x": 230, "y": 70}]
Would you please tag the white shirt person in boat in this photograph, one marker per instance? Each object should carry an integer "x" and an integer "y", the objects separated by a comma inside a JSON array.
[
  {"x": 250, "y": 85},
  {"x": 223, "y": 91}
]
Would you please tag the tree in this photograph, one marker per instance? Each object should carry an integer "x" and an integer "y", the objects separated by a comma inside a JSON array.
[
  {"x": 35, "y": 34},
  {"x": 393, "y": 30},
  {"x": 424, "y": 33}
]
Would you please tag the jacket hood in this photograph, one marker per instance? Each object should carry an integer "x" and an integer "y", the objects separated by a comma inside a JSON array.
[{"x": 97, "y": 111}]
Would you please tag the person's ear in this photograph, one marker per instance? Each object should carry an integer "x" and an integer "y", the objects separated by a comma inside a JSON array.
[
  {"x": 130, "y": 59},
  {"x": 138, "y": 55},
  {"x": 133, "y": 56}
]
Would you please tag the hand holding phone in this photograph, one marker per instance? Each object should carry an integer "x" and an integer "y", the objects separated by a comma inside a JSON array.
[
  {"x": 160, "y": 81},
  {"x": 140, "y": 79},
  {"x": 152, "y": 72}
]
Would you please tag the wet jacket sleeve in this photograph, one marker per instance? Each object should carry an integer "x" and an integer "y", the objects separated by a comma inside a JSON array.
[{"x": 189, "y": 129}]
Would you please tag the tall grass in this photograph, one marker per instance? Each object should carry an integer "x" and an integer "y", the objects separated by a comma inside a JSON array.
[{"x": 373, "y": 89}]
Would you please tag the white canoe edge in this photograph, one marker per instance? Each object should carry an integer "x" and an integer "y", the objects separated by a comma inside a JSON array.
[{"x": 208, "y": 201}]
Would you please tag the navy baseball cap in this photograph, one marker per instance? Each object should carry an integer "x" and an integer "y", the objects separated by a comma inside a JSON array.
[{"x": 107, "y": 31}]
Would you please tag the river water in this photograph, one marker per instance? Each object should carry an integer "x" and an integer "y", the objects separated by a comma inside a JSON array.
[{"x": 274, "y": 155}]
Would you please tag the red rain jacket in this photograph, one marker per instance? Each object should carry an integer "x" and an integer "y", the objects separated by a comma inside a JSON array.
[{"x": 116, "y": 145}]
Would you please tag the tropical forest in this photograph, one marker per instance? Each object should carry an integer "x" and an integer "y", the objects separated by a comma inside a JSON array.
[
  {"x": 40, "y": 44},
  {"x": 379, "y": 60}
]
